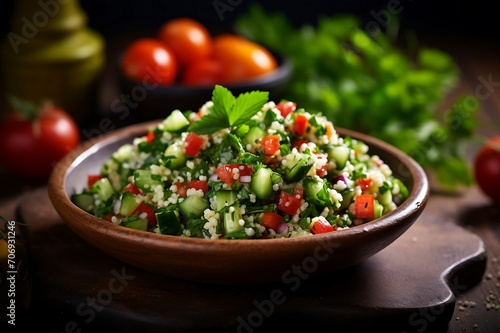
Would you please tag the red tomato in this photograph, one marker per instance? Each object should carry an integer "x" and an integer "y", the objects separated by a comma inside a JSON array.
[
  {"x": 286, "y": 107},
  {"x": 203, "y": 72},
  {"x": 143, "y": 208},
  {"x": 289, "y": 203},
  {"x": 487, "y": 168},
  {"x": 181, "y": 189},
  {"x": 364, "y": 183},
  {"x": 131, "y": 188},
  {"x": 193, "y": 144},
  {"x": 150, "y": 61},
  {"x": 189, "y": 39},
  {"x": 320, "y": 226},
  {"x": 271, "y": 220},
  {"x": 30, "y": 148},
  {"x": 298, "y": 143},
  {"x": 242, "y": 59},
  {"x": 150, "y": 136},
  {"x": 365, "y": 206},
  {"x": 199, "y": 185},
  {"x": 270, "y": 144},
  {"x": 226, "y": 174},
  {"x": 300, "y": 125},
  {"x": 91, "y": 179}
]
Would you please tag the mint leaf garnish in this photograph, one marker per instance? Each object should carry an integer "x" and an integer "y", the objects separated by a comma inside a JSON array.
[{"x": 229, "y": 111}]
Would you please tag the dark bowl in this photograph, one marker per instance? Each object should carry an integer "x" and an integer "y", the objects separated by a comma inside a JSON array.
[
  {"x": 232, "y": 261},
  {"x": 156, "y": 103}
]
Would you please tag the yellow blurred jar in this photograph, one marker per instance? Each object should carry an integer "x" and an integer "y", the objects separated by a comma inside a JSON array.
[{"x": 51, "y": 54}]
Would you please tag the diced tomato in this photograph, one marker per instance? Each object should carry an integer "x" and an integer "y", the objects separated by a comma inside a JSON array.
[
  {"x": 108, "y": 217},
  {"x": 150, "y": 136},
  {"x": 286, "y": 107},
  {"x": 364, "y": 183},
  {"x": 91, "y": 179},
  {"x": 298, "y": 143},
  {"x": 199, "y": 185},
  {"x": 300, "y": 125},
  {"x": 225, "y": 172},
  {"x": 131, "y": 188},
  {"x": 144, "y": 208},
  {"x": 270, "y": 144},
  {"x": 320, "y": 226},
  {"x": 365, "y": 206},
  {"x": 271, "y": 220},
  {"x": 182, "y": 188},
  {"x": 193, "y": 144},
  {"x": 289, "y": 203}
]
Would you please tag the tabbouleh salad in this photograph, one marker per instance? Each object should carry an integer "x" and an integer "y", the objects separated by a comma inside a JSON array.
[{"x": 239, "y": 168}]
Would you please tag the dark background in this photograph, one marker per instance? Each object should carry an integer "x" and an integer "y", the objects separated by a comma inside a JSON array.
[{"x": 454, "y": 19}]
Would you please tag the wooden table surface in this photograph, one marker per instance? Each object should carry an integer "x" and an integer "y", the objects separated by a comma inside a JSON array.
[{"x": 478, "y": 307}]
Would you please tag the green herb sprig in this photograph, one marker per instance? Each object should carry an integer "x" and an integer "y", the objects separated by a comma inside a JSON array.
[{"x": 229, "y": 111}]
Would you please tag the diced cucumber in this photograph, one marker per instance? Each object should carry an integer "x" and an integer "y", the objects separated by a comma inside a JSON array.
[
  {"x": 224, "y": 198},
  {"x": 298, "y": 168},
  {"x": 403, "y": 190},
  {"x": 254, "y": 134},
  {"x": 103, "y": 188},
  {"x": 347, "y": 196},
  {"x": 315, "y": 191},
  {"x": 385, "y": 198},
  {"x": 231, "y": 218},
  {"x": 261, "y": 183},
  {"x": 169, "y": 222},
  {"x": 178, "y": 156},
  {"x": 193, "y": 207},
  {"x": 378, "y": 210},
  {"x": 146, "y": 181},
  {"x": 175, "y": 122},
  {"x": 85, "y": 201},
  {"x": 135, "y": 222},
  {"x": 129, "y": 203},
  {"x": 338, "y": 154}
]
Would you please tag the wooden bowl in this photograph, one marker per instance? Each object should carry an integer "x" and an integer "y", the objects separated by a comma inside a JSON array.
[{"x": 233, "y": 261}]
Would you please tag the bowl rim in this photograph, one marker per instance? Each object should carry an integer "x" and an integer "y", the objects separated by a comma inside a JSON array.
[{"x": 60, "y": 199}]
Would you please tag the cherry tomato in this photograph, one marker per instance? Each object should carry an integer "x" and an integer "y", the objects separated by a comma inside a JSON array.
[
  {"x": 241, "y": 58},
  {"x": 189, "y": 40},
  {"x": 30, "y": 148},
  {"x": 203, "y": 72},
  {"x": 199, "y": 185},
  {"x": 150, "y": 61},
  {"x": 487, "y": 168}
]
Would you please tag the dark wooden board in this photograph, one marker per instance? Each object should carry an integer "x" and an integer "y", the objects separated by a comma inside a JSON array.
[{"x": 407, "y": 287}]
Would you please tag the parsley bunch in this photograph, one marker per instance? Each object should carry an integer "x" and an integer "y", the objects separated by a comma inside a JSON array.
[{"x": 368, "y": 84}]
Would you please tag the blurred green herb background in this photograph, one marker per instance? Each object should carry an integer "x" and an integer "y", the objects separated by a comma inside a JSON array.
[{"x": 362, "y": 80}]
